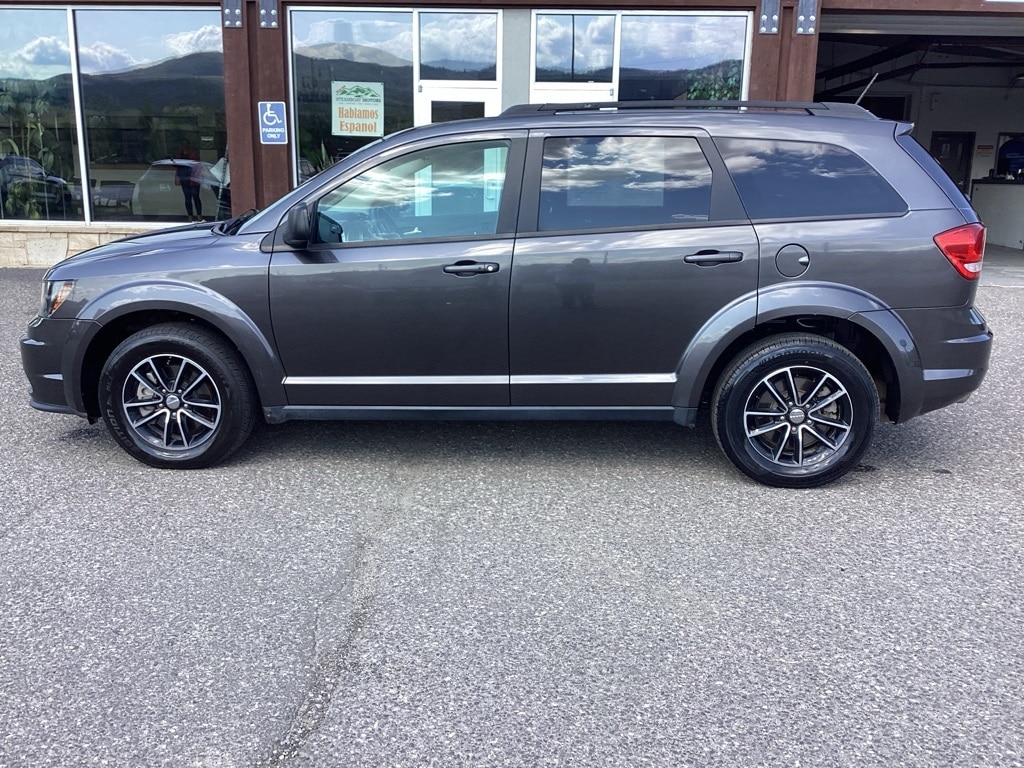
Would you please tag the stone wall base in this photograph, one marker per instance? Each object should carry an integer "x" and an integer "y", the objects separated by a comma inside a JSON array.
[{"x": 35, "y": 245}]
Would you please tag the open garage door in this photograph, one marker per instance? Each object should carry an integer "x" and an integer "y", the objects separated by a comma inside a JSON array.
[{"x": 959, "y": 79}]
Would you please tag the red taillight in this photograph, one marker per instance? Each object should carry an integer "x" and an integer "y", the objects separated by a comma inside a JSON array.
[{"x": 965, "y": 248}]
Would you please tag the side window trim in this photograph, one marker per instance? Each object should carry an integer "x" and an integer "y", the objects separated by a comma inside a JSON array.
[{"x": 726, "y": 205}]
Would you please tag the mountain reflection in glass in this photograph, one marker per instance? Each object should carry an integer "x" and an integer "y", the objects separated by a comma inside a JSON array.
[
  {"x": 575, "y": 48},
  {"x": 348, "y": 46},
  {"x": 458, "y": 46},
  {"x": 590, "y": 182},
  {"x": 152, "y": 84},
  {"x": 39, "y": 170},
  {"x": 797, "y": 179},
  {"x": 682, "y": 57}
]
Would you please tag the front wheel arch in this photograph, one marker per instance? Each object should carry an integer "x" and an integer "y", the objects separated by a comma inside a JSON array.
[{"x": 117, "y": 330}]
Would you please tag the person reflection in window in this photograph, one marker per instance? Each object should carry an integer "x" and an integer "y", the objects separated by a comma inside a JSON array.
[{"x": 185, "y": 176}]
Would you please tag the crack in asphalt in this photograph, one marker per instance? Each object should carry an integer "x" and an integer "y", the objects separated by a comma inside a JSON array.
[
  {"x": 332, "y": 661},
  {"x": 327, "y": 674}
]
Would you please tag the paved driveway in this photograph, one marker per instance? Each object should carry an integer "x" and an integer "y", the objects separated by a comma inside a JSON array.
[{"x": 512, "y": 594}]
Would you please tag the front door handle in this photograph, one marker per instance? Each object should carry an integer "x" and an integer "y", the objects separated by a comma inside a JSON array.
[
  {"x": 467, "y": 268},
  {"x": 710, "y": 257}
]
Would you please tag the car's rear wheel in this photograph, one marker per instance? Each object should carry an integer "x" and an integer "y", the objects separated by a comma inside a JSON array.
[
  {"x": 795, "y": 411},
  {"x": 177, "y": 396}
]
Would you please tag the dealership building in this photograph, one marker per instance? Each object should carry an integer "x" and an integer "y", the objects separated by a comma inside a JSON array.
[{"x": 120, "y": 117}]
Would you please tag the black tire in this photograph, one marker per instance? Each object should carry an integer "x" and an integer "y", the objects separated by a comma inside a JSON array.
[
  {"x": 177, "y": 396},
  {"x": 795, "y": 411}
]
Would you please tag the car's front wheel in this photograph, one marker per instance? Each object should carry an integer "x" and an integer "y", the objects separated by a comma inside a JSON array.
[
  {"x": 177, "y": 396},
  {"x": 795, "y": 411}
]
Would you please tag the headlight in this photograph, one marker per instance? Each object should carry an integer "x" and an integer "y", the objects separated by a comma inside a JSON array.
[{"x": 55, "y": 293}]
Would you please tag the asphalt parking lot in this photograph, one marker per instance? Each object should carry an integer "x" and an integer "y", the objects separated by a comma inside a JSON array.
[{"x": 431, "y": 594}]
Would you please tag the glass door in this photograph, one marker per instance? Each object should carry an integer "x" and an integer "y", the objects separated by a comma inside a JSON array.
[
  {"x": 457, "y": 66},
  {"x": 437, "y": 103}
]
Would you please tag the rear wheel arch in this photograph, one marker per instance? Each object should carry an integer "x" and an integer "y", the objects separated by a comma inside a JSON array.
[
  {"x": 860, "y": 341},
  {"x": 856, "y": 320}
]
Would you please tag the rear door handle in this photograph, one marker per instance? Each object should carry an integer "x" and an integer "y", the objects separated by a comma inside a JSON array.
[
  {"x": 467, "y": 268},
  {"x": 710, "y": 257}
]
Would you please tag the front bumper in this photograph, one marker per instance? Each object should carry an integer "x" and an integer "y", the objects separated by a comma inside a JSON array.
[{"x": 42, "y": 352}]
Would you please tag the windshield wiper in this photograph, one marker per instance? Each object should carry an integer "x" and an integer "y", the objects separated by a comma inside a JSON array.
[{"x": 232, "y": 225}]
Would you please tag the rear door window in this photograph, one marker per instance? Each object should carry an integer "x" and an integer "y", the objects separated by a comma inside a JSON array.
[
  {"x": 802, "y": 179},
  {"x": 608, "y": 182}
]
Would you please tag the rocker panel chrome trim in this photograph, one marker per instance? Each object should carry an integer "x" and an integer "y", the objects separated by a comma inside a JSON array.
[
  {"x": 605, "y": 378},
  {"x": 358, "y": 381}
]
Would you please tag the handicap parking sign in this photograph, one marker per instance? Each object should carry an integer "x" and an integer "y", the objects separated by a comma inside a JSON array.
[{"x": 273, "y": 128}]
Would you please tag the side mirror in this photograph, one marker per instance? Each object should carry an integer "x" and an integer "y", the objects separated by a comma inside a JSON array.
[{"x": 296, "y": 227}]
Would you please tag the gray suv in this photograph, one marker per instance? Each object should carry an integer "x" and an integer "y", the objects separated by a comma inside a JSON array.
[{"x": 801, "y": 270}]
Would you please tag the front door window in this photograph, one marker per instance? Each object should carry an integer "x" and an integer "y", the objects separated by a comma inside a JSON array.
[{"x": 446, "y": 191}]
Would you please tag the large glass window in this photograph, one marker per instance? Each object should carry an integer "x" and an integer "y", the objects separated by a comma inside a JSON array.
[
  {"x": 353, "y": 80},
  {"x": 152, "y": 86},
  {"x": 458, "y": 46},
  {"x": 575, "y": 48},
  {"x": 39, "y": 173},
  {"x": 598, "y": 182},
  {"x": 640, "y": 56},
  {"x": 691, "y": 57},
  {"x": 447, "y": 191},
  {"x": 799, "y": 179}
]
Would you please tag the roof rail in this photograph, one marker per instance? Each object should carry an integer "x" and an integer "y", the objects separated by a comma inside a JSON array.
[{"x": 836, "y": 109}]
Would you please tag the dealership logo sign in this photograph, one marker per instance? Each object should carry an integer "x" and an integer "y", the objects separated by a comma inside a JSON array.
[{"x": 357, "y": 109}]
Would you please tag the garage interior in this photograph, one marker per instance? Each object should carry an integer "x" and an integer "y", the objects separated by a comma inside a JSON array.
[{"x": 960, "y": 80}]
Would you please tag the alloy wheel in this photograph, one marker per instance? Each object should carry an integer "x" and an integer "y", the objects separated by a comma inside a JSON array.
[
  {"x": 171, "y": 402},
  {"x": 798, "y": 416}
]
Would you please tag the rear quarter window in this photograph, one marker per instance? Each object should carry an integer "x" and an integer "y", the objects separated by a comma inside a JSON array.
[
  {"x": 934, "y": 170},
  {"x": 803, "y": 179}
]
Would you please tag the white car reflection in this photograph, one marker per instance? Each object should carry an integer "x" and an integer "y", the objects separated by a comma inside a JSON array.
[{"x": 158, "y": 193}]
